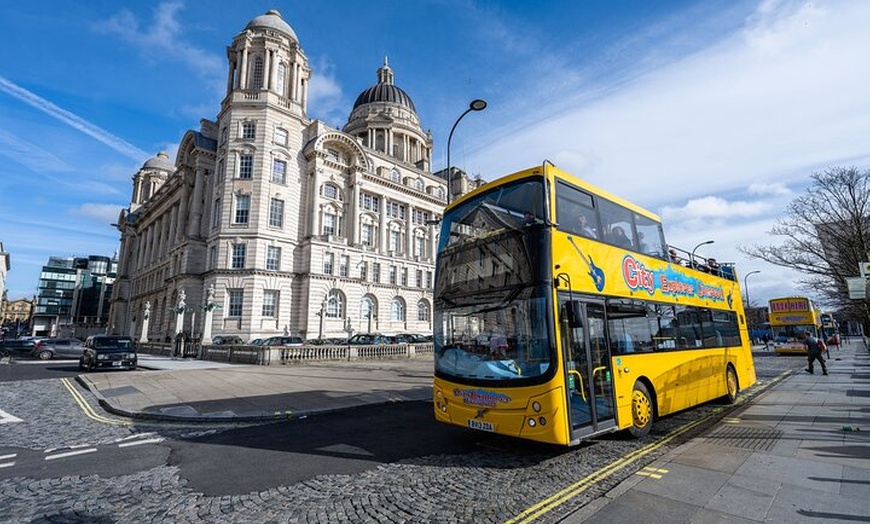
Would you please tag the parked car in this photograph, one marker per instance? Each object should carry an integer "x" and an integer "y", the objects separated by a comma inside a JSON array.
[
  {"x": 369, "y": 339},
  {"x": 257, "y": 342},
  {"x": 284, "y": 341},
  {"x": 227, "y": 340},
  {"x": 108, "y": 351},
  {"x": 20, "y": 348},
  {"x": 411, "y": 338},
  {"x": 61, "y": 348}
]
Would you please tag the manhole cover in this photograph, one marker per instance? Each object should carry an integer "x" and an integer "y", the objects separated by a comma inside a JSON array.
[{"x": 761, "y": 439}]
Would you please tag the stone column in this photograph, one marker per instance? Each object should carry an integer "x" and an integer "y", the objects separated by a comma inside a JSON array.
[
  {"x": 383, "y": 233},
  {"x": 195, "y": 224},
  {"x": 182, "y": 212},
  {"x": 146, "y": 316}
]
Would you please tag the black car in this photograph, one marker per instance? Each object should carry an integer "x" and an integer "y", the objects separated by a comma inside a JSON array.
[
  {"x": 19, "y": 347},
  {"x": 108, "y": 351}
]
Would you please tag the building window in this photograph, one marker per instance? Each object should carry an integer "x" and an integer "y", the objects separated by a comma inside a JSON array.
[
  {"x": 212, "y": 257},
  {"x": 334, "y": 305},
  {"x": 329, "y": 220},
  {"x": 249, "y": 130},
  {"x": 224, "y": 136},
  {"x": 420, "y": 247},
  {"x": 419, "y": 278},
  {"x": 420, "y": 217},
  {"x": 282, "y": 76},
  {"x": 395, "y": 242},
  {"x": 419, "y": 184},
  {"x": 423, "y": 311},
  {"x": 429, "y": 279},
  {"x": 405, "y": 277},
  {"x": 397, "y": 310},
  {"x": 236, "y": 301},
  {"x": 395, "y": 176},
  {"x": 328, "y": 263},
  {"x": 376, "y": 272},
  {"x": 364, "y": 271},
  {"x": 276, "y": 212},
  {"x": 270, "y": 303},
  {"x": 239, "y": 252},
  {"x": 246, "y": 166},
  {"x": 273, "y": 258},
  {"x": 333, "y": 155},
  {"x": 367, "y": 309},
  {"x": 393, "y": 274},
  {"x": 331, "y": 192},
  {"x": 279, "y": 172},
  {"x": 243, "y": 209},
  {"x": 343, "y": 266},
  {"x": 221, "y": 170},
  {"x": 257, "y": 77},
  {"x": 396, "y": 210},
  {"x": 216, "y": 211},
  {"x": 367, "y": 235},
  {"x": 369, "y": 202}
]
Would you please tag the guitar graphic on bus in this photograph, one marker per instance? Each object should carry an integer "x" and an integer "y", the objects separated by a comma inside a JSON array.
[{"x": 595, "y": 272}]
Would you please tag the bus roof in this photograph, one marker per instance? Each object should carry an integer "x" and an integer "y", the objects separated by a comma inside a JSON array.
[{"x": 579, "y": 182}]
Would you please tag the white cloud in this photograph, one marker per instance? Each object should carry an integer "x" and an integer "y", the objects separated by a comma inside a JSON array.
[
  {"x": 325, "y": 94},
  {"x": 775, "y": 189},
  {"x": 104, "y": 213},
  {"x": 28, "y": 154},
  {"x": 714, "y": 207}
]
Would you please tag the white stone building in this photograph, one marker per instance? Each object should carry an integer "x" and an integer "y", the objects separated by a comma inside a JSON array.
[{"x": 297, "y": 227}]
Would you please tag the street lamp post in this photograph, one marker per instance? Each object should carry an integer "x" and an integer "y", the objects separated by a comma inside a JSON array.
[
  {"x": 692, "y": 257},
  {"x": 746, "y": 287},
  {"x": 476, "y": 105}
]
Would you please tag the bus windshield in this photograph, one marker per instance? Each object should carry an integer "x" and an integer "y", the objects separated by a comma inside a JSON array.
[{"x": 491, "y": 296}]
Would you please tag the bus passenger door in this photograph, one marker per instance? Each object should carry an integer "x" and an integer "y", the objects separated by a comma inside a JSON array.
[{"x": 587, "y": 365}]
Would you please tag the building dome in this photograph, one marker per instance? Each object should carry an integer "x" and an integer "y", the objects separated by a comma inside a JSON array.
[
  {"x": 161, "y": 161},
  {"x": 385, "y": 91},
  {"x": 272, "y": 20}
]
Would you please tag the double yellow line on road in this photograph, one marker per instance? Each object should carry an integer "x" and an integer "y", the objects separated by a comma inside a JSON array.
[
  {"x": 562, "y": 496},
  {"x": 88, "y": 410}
]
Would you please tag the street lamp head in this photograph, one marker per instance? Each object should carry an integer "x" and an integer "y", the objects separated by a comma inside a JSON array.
[{"x": 478, "y": 104}]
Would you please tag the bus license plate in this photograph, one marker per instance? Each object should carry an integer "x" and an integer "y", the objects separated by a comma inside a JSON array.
[{"x": 481, "y": 425}]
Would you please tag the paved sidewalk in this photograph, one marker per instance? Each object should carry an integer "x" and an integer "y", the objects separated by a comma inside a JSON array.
[
  {"x": 799, "y": 452},
  {"x": 183, "y": 389}
]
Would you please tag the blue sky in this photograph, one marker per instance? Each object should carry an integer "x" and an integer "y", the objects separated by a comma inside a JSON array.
[{"x": 712, "y": 114}]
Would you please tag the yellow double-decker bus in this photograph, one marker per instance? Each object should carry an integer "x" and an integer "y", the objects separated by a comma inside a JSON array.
[
  {"x": 560, "y": 313},
  {"x": 789, "y": 318}
]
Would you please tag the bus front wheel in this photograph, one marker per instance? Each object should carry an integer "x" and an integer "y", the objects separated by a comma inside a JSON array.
[
  {"x": 731, "y": 385},
  {"x": 641, "y": 411}
]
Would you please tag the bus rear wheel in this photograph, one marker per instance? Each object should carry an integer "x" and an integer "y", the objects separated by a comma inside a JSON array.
[
  {"x": 641, "y": 411},
  {"x": 731, "y": 385}
]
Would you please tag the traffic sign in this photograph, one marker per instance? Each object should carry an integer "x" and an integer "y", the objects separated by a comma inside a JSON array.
[{"x": 857, "y": 287}]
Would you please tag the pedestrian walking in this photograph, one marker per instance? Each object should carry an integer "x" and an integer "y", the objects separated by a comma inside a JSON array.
[
  {"x": 766, "y": 339},
  {"x": 815, "y": 347}
]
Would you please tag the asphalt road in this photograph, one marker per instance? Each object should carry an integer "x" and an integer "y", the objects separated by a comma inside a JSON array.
[{"x": 388, "y": 463}]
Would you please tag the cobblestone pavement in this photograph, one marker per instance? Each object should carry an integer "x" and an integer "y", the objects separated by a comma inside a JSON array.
[{"x": 491, "y": 485}]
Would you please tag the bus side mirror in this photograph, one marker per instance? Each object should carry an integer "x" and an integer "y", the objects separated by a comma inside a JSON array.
[{"x": 572, "y": 312}]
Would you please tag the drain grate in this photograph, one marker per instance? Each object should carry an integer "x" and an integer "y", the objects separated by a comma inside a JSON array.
[{"x": 761, "y": 439}]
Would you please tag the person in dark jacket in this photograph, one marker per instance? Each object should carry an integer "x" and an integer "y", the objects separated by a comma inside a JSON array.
[{"x": 814, "y": 352}]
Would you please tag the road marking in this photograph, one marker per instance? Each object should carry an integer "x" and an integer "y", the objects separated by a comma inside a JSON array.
[
  {"x": 6, "y": 418},
  {"x": 653, "y": 473},
  {"x": 6, "y": 464},
  {"x": 89, "y": 411},
  {"x": 136, "y": 436},
  {"x": 10, "y": 456},
  {"x": 138, "y": 442},
  {"x": 71, "y": 453},
  {"x": 560, "y": 497}
]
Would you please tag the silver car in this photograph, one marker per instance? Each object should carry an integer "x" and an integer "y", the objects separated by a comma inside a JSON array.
[{"x": 60, "y": 348}]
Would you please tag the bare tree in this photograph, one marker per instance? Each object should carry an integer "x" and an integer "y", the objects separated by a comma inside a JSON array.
[{"x": 826, "y": 234}]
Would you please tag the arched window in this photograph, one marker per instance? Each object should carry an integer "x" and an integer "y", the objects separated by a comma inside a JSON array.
[
  {"x": 423, "y": 311},
  {"x": 367, "y": 307},
  {"x": 331, "y": 191},
  {"x": 395, "y": 176},
  {"x": 257, "y": 77},
  {"x": 440, "y": 192},
  {"x": 397, "y": 309},
  {"x": 334, "y": 304},
  {"x": 419, "y": 184},
  {"x": 282, "y": 73}
]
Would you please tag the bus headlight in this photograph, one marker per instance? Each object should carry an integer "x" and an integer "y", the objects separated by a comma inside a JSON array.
[
  {"x": 536, "y": 406},
  {"x": 542, "y": 421},
  {"x": 532, "y": 423}
]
